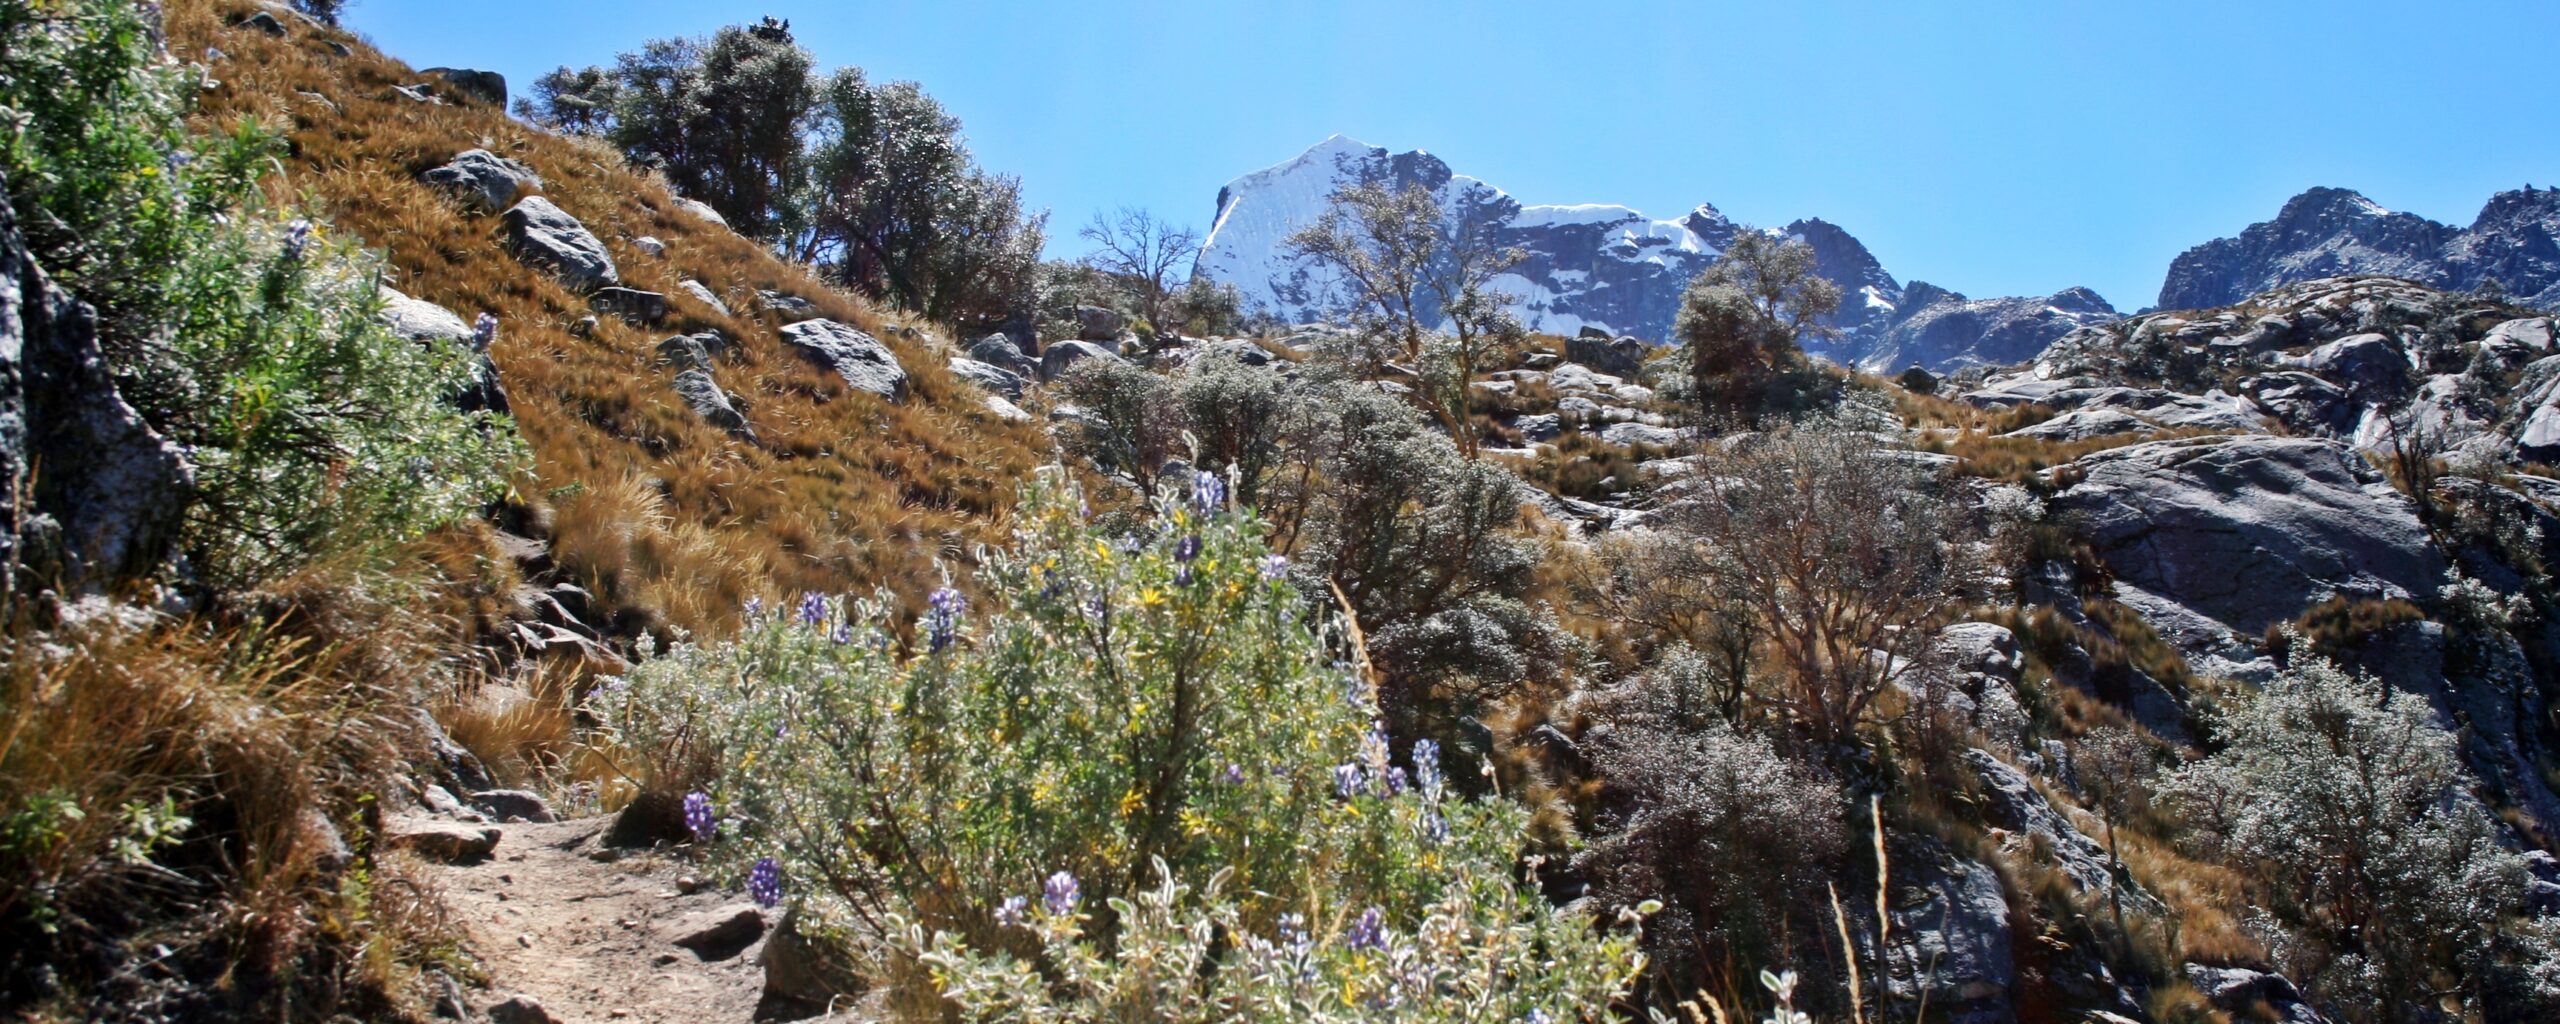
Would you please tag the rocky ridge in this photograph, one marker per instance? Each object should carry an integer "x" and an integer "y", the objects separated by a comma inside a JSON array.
[{"x": 2326, "y": 232}]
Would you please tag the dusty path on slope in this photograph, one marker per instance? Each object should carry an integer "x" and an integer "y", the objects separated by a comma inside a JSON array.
[{"x": 594, "y": 940}]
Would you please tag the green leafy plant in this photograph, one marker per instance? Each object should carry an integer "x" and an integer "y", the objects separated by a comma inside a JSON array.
[{"x": 1142, "y": 709}]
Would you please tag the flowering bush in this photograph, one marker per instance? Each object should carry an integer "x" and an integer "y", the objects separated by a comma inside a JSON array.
[{"x": 1142, "y": 710}]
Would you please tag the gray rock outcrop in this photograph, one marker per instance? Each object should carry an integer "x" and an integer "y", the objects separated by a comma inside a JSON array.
[
  {"x": 89, "y": 493},
  {"x": 483, "y": 180},
  {"x": 632, "y": 305},
  {"x": 479, "y": 86},
  {"x": 1064, "y": 354},
  {"x": 702, "y": 293},
  {"x": 2249, "y": 531},
  {"x": 863, "y": 362},
  {"x": 546, "y": 236},
  {"x": 1096, "y": 323},
  {"x": 996, "y": 379}
]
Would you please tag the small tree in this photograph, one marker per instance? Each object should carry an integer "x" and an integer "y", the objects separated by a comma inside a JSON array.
[
  {"x": 572, "y": 102},
  {"x": 1409, "y": 271},
  {"x": 1142, "y": 252},
  {"x": 1843, "y": 554},
  {"x": 2114, "y": 765},
  {"x": 1745, "y": 317}
]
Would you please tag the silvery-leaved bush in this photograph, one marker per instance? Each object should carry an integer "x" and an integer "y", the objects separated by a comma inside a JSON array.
[{"x": 1130, "y": 715}]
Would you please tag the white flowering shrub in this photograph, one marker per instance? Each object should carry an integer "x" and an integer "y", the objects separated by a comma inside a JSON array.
[
  {"x": 2391, "y": 888},
  {"x": 1029, "y": 793}
]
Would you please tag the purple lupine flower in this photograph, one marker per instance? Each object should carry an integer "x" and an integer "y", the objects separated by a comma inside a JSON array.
[
  {"x": 1009, "y": 915},
  {"x": 1187, "y": 548},
  {"x": 813, "y": 608},
  {"x": 1373, "y": 745},
  {"x": 764, "y": 883},
  {"x": 1426, "y": 766},
  {"x": 1060, "y": 894},
  {"x": 1208, "y": 493},
  {"x": 697, "y": 816},
  {"x": 1274, "y": 566},
  {"x": 1435, "y": 828},
  {"x": 1293, "y": 934},
  {"x": 1182, "y": 576},
  {"x": 1537, "y": 1017},
  {"x": 297, "y": 237},
  {"x": 1235, "y": 774},
  {"x": 1369, "y": 932},
  {"x": 484, "y": 332},
  {"x": 843, "y": 633},
  {"x": 754, "y": 608},
  {"x": 942, "y": 618},
  {"x": 1395, "y": 782},
  {"x": 1347, "y": 780}
]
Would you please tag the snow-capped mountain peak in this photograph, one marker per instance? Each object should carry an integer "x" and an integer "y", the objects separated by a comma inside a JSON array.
[{"x": 1586, "y": 265}]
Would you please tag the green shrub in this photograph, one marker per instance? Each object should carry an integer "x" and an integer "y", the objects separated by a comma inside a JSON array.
[
  {"x": 315, "y": 430},
  {"x": 1141, "y": 710},
  {"x": 241, "y": 333}
]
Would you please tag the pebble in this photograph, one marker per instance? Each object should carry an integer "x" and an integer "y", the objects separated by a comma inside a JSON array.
[{"x": 688, "y": 885}]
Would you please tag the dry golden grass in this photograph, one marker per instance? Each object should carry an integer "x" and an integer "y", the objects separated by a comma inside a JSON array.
[
  {"x": 667, "y": 518},
  {"x": 269, "y": 735}
]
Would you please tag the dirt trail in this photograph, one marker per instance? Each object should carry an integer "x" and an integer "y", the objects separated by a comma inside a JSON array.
[{"x": 595, "y": 940}]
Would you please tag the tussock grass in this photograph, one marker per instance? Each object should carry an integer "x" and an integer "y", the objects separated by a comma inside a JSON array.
[
  {"x": 846, "y": 491},
  {"x": 210, "y": 785}
]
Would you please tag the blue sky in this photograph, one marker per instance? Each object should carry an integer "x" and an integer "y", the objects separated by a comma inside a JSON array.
[{"x": 1992, "y": 148}]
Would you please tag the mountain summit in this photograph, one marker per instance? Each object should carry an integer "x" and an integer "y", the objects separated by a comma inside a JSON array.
[
  {"x": 2330, "y": 231},
  {"x": 1612, "y": 268}
]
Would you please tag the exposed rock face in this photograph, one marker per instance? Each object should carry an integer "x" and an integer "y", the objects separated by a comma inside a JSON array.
[
  {"x": 104, "y": 501},
  {"x": 701, "y": 209},
  {"x": 859, "y": 358},
  {"x": 2326, "y": 232},
  {"x": 997, "y": 380},
  {"x": 702, "y": 293},
  {"x": 447, "y": 841},
  {"x": 1064, "y": 354},
  {"x": 420, "y": 320},
  {"x": 703, "y": 395},
  {"x": 2015, "y": 806},
  {"x": 1608, "y": 268},
  {"x": 1095, "y": 323},
  {"x": 514, "y": 805},
  {"x": 1951, "y": 927},
  {"x": 483, "y": 180},
  {"x": 721, "y": 933},
  {"x": 631, "y": 304},
  {"x": 480, "y": 86},
  {"x": 1000, "y": 351},
  {"x": 2244, "y": 991},
  {"x": 546, "y": 236},
  {"x": 2249, "y": 531}
]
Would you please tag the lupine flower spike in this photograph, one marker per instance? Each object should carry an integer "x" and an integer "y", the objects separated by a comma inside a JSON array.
[
  {"x": 1060, "y": 894},
  {"x": 942, "y": 618},
  {"x": 697, "y": 816},
  {"x": 764, "y": 883}
]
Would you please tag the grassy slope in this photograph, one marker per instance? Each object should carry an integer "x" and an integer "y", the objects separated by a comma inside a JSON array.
[{"x": 658, "y": 513}]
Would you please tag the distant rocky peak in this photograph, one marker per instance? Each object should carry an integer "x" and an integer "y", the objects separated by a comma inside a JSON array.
[{"x": 2327, "y": 232}]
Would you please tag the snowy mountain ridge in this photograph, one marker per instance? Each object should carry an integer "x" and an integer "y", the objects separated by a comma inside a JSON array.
[{"x": 1598, "y": 265}]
